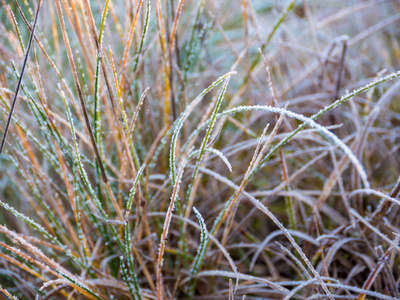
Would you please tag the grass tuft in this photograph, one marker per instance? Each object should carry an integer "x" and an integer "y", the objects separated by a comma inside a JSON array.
[{"x": 185, "y": 149}]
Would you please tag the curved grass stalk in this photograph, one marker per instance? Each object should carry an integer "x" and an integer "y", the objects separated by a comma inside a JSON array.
[
  {"x": 267, "y": 212},
  {"x": 244, "y": 277},
  {"x": 274, "y": 234},
  {"x": 190, "y": 197},
  {"x": 306, "y": 121},
  {"x": 301, "y": 127},
  {"x": 178, "y": 124},
  {"x": 376, "y": 193},
  {"x": 337, "y": 285},
  {"x": 200, "y": 252},
  {"x": 337, "y": 103},
  {"x": 213, "y": 151}
]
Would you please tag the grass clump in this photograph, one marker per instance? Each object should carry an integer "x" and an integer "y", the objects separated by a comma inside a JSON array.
[{"x": 186, "y": 149}]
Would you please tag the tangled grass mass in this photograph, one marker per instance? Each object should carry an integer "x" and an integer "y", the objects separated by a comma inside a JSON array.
[{"x": 199, "y": 149}]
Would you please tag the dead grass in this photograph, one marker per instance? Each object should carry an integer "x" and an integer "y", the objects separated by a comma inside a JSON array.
[{"x": 228, "y": 149}]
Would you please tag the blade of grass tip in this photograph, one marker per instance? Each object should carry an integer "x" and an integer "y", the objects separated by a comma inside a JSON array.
[
  {"x": 217, "y": 153},
  {"x": 132, "y": 193},
  {"x": 136, "y": 113},
  {"x": 190, "y": 197},
  {"x": 14, "y": 101},
  {"x": 192, "y": 41},
  {"x": 178, "y": 124},
  {"x": 128, "y": 43},
  {"x": 177, "y": 14},
  {"x": 16, "y": 27},
  {"x": 275, "y": 27},
  {"x": 144, "y": 32}
]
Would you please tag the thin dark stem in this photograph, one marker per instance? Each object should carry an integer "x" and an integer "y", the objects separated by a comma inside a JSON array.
[{"x": 3, "y": 141}]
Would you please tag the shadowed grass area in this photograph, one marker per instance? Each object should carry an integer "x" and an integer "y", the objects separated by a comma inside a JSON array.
[{"x": 183, "y": 149}]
